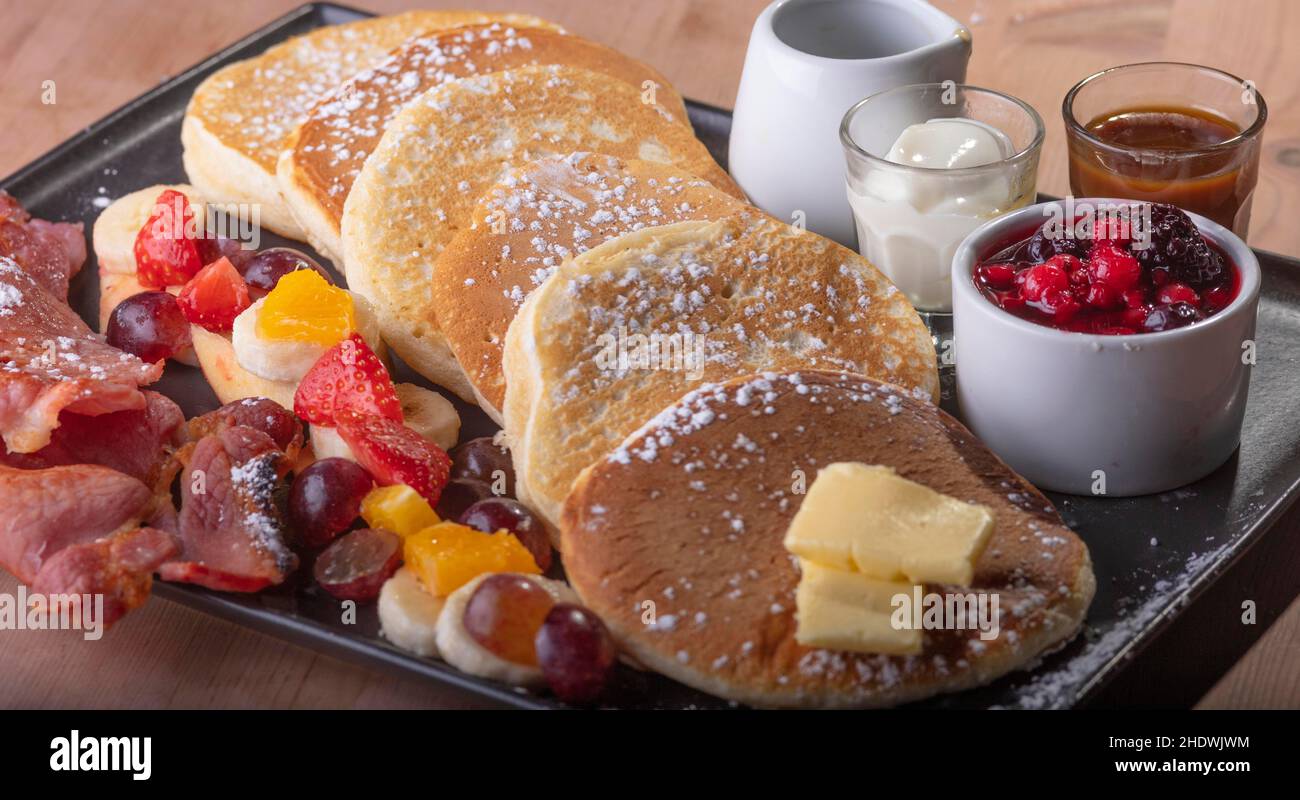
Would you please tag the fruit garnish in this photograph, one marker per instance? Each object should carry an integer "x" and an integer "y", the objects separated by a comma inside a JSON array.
[
  {"x": 502, "y": 514},
  {"x": 1043, "y": 278},
  {"x": 212, "y": 247},
  {"x": 149, "y": 325},
  {"x": 355, "y": 566},
  {"x": 166, "y": 252},
  {"x": 1114, "y": 266},
  {"x": 264, "y": 269},
  {"x": 481, "y": 459},
  {"x": 447, "y": 556},
  {"x": 1122, "y": 279},
  {"x": 325, "y": 499},
  {"x": 576, "y": 653},
  {"x": 398, "y": 509},
  {"x": 215, "y": 296},
  {"x": 1177, "y": 293},
  {"x": 347, "y": 376},
  {"x": 304, "y": 307},
  {"x": 504, "y": 614},
  {"x": 393, "y": 453},
  {"x": 459, "y": 494},
  {"x": 1178, "y": 247}
]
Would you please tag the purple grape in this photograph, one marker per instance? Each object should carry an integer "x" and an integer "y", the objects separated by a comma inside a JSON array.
[
  {"x": 325, "y": 499},
  {"x": 149, "y": 325},
  {"x": 265, "y": 269},
  {"x": 576, "y": 653}
]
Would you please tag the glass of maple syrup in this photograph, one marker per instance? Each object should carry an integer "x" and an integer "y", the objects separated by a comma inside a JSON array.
[{"x": 1168, "y": 133}]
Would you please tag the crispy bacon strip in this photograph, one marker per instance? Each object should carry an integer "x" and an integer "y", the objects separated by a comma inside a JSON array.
[
  {"x": 139, "y": 443},
  {"x": 232, "y": 536},
  {"x": 120, "y": 568},
  {"x": 50, "y": 361},
  {"x": 259, "y": 413},
  {"x": 51, "y": 252},
  {"x": 47, "y": 510}
]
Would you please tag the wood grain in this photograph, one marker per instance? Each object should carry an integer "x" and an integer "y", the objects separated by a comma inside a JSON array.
[{"x": 102, "y": 53}]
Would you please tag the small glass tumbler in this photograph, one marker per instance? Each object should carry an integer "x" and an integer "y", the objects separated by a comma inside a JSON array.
[
  {"x": 1166, "y": 132},
  {"x": 910, "y": 219}
]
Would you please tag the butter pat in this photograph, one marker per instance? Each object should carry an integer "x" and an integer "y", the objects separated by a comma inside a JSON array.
[
  {"x": 866, "y": 518},
  {"x": 840, "y": 610}
]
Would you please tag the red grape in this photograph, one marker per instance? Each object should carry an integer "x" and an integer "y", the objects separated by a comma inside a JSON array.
[
  {"x": 459, "y": 494},
  {"x": 213, "y": 247},
  {"x": 497, "y": 513},
  {"x": 504, "y": 614},
  {"x": 326, "y": 498},
  {"x": 576, "y": 653},
  {"x": 265, "y": 269},
  {"x": 481, "y": 460},
  {"x": 149, "y": 325},
  {"x": 355, "y": 566}
]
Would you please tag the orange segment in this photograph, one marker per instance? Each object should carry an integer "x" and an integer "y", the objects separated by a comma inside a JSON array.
[
  {"x": 447, "y": 556},
  {"x": 304, "y": 307},
  {"x": 399, "y": 509}
]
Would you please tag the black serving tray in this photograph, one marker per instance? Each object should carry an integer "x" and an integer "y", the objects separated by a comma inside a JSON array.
[{"x": 1173, "y": 570}]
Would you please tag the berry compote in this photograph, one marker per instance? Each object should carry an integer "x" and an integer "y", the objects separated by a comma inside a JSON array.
[{"x": 1155, "y": 275}]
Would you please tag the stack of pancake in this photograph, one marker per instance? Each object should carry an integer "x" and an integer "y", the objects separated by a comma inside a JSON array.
[{"x": 528, "y": 211}]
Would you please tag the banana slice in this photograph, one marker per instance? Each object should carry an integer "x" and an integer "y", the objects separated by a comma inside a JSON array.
[
  {"x": 460, "y": 650},
  {"x": 429, "y": 414},
  {"x": 281, "y": 360},
  {"x": 326, "y": 443},
  {"x": 408, "y": 615}
]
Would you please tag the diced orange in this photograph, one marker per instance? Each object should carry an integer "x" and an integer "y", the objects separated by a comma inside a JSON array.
[
  {"x": 304, "y": 307},
  {"x": 447, "y": 556},
  {"x": 399, "y": 509}
]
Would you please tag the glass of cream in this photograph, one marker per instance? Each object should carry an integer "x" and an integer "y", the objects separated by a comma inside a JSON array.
[{"x": 928, "y": 164}]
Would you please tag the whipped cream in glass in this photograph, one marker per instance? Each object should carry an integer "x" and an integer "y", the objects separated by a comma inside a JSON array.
[{"x": 927, "y": 164}]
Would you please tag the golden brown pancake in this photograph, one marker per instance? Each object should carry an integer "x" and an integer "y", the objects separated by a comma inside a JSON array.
[
  {"x": 526, "y": 225},
  {"x": 717, "y": 299},
  {"x": 420, "y": 186},
  {"x": 325, "y": 153},
  {"x": 238, "y": 119},
  {"x": 690, "y": 513}
]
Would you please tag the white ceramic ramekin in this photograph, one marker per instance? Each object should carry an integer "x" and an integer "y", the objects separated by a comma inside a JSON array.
[{"x": 1090, "y": 414}]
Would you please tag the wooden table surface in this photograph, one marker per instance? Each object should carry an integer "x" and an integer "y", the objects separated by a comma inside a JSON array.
[{"x": 102, "y": 53}]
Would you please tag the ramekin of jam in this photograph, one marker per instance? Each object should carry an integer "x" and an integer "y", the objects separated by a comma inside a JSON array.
[
  {"x": 1103, "y": 346},
  {"x": 1170, "y": 133}
]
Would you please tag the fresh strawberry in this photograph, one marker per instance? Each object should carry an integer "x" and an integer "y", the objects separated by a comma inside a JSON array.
[
  {"x": 393, "y": 453},
  {"x": 166, "y": 250},
  {"x": 215, "y": 296},
  {"x": 349, "y": 375}
]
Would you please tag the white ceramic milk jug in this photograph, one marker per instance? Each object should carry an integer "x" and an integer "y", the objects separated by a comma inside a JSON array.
[{"x": 808, "y": 62}]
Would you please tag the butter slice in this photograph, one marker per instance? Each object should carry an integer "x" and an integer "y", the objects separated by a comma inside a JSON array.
[
  {"x": 840, "y": 610},
  {"x": 866, "y": 518}
]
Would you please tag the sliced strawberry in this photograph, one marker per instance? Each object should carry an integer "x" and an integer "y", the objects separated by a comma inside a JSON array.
[
  {"x": 348, "y": 376},
  {"x": 166, "y": 250},
  {"x": 393, "y": 453},
  {"x": 215, "y": 296}
]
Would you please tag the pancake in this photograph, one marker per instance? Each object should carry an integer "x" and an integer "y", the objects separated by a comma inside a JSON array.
[
  {"x": 722, "y": 583},
  {"x": 527, "y": 224},
  {"x": 237, "y": 120},
  {"x": 326, "y": 152},
  {"x": 743, "y": 294},
  {"x": 419, "y": 187}
]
